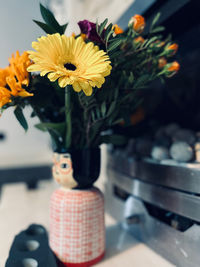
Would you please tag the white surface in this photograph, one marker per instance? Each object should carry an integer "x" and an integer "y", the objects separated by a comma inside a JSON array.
[{"x": 20, "y": 207}]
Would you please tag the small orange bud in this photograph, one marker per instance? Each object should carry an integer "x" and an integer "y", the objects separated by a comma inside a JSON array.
[
  {"x": 175, "y": 66},
  {"x": 138, "y": 23},
  {"x": 117, "y": 29},
  {"x": 162, "y": 62},
  {"x": 158, "y": 43},
  {"x": 139, "y": 39},
  {"x": 84, "y": 36},
  {"x": 73, "y": 34},
  {"x": 172, "y": 68},
  {"x": 174, "y": 48}
]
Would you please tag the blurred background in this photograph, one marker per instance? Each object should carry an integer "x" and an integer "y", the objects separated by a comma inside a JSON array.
[{"x": 27, "y": 157}]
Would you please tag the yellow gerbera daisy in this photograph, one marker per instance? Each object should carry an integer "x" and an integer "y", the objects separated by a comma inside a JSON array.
[{"x": 71, "y": 61}]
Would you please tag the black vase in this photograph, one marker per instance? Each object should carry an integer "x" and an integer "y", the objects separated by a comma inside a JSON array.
[{"x": 86, "y": 166}]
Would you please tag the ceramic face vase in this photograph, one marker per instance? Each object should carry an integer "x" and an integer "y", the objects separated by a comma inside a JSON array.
[
  {"x": 77, "y": 231},
  {"x": 62, "y": 170}
]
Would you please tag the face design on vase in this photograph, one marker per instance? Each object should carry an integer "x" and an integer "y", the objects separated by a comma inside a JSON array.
[{"x": 63, "y": 171}]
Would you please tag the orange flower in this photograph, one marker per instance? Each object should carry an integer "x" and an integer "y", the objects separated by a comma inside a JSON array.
[
  {"x": 19, "y": 65},
  {"x": 16, "y": 87},
  {"x": 5, "y": 96},
  {"x": 138, "y": 23},
  {"x": 173, "y": 49},
  {"x": 172, "y": 68},
  {"x": 3, "y": 74},
  {"x": 14, "y": 77},
  {"x": 162, "y": 62},
  {"x": 117, "y": 29},
  {"x": 139, "y": 39}
]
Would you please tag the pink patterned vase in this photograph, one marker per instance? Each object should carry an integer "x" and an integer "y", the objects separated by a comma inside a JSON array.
[{"x": 77, "y": 229}]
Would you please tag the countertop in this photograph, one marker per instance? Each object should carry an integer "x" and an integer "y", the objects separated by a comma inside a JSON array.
[{"x": 20, "y": 207}]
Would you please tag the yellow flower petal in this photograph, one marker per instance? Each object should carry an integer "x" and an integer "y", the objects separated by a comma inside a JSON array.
[
  {"x": 76, "y": 87},
  {"x": 71, "y": 61}
]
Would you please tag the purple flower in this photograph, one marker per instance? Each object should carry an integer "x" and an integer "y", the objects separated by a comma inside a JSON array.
[{"x": 89, "y": 28}]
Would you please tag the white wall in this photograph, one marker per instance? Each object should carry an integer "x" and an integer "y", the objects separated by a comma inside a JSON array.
[
  {"x": 92, "y": 10},
  {"x": 17, "y": 33}
]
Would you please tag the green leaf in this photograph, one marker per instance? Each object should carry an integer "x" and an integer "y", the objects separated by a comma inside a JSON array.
[
  {"x": 142, "y": 80},
  {"x": 98, "y": 113},
  {"x": 112, "y": 108},
  {"x": 57, "y": 128},
  {"x": 151, "y": 40},
  {"x": 114, "y": 139},
  {"x": 108, "y": 31},
  {"x": 103, "y": 108},
  {"x": 117, "y": 38},
  {"x": 131, "y": 77},
  {"x": 114, "y": 45},
  {"x": 115, "y": 54},
  {"x": 109, "y": 34},
  {"x": 93, "y": 115},
  {"x": 48, "y": 29},
  {"x": 102, "y": 26},
  {"x": 20, "y": 117},
  {"x": 158, "y": 29},
  {"x": 49, "y": 17},
  {"x": 64, "y": 27},
  {"x": 155, "y": 20},
  {"x": 50, "y": 20}
]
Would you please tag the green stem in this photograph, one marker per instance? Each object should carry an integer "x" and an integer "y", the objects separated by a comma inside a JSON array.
[{"x": 68, "y": 116}]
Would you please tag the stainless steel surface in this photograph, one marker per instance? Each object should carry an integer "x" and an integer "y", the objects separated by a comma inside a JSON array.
[
  {"x": 175, "y": 201},
  {"x": 172, "y": 188},
  {"x": 185, "y": 177},
  {"x": 180, "y": 248}
]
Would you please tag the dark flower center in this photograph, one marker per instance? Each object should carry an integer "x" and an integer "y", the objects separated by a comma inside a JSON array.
[{"x": 70, "y": 66}]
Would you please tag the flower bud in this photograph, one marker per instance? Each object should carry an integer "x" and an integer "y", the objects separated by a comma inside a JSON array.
[
  {"x": 172, "y": 49},
  {"x": 84, "y": 36},
  {"x": 138, "y": 23},
  {"x": 139, "y": 39},
  {"x": 172, "y": 68},
  {"x": 117, "y": 29},
  {"x": 161, "y": 62}
]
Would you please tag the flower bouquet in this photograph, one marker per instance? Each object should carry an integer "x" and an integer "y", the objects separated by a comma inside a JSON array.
[{"x": 80, "y": 87}]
